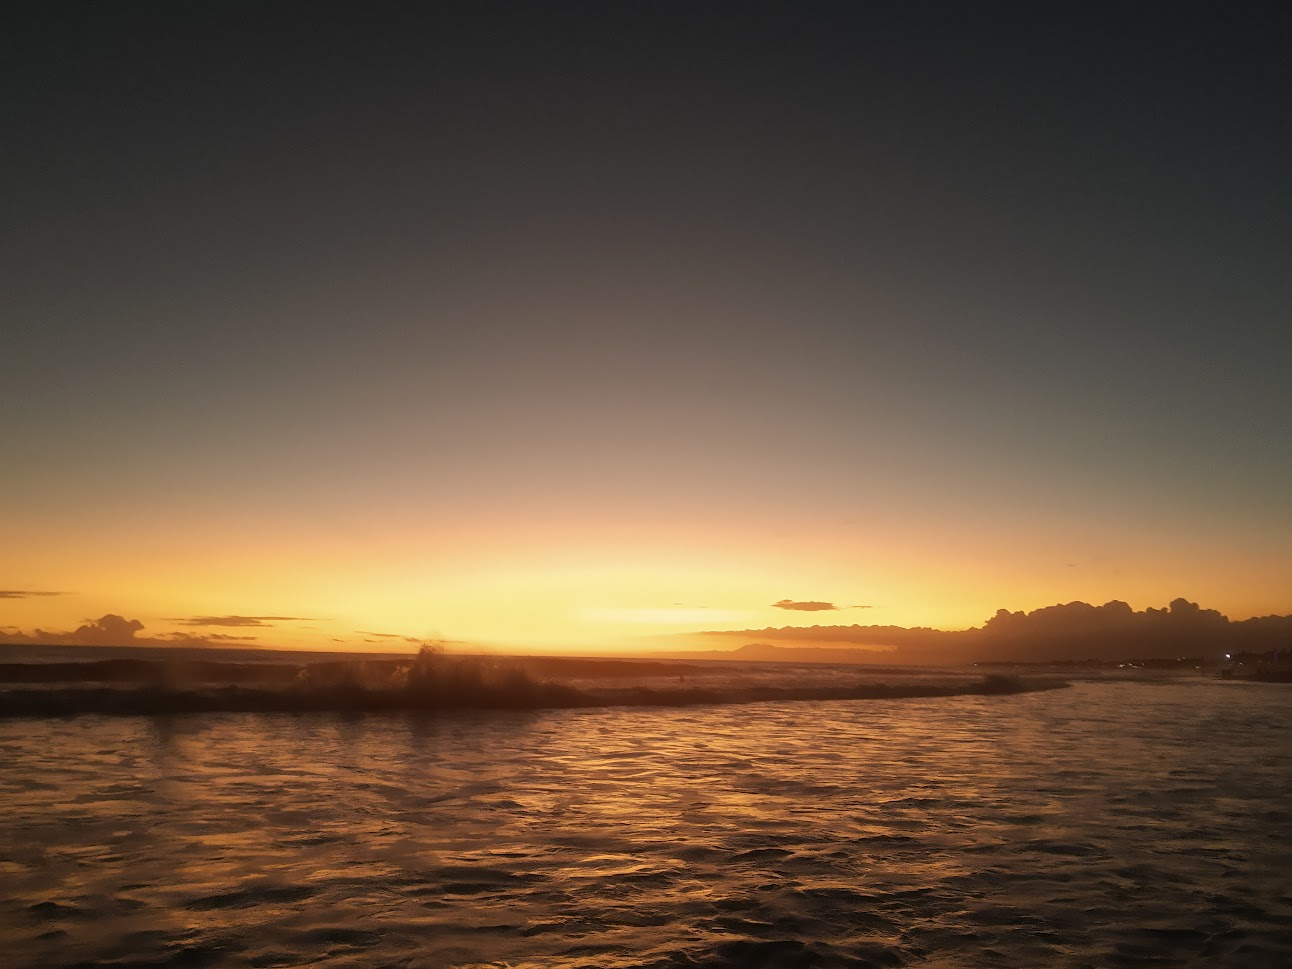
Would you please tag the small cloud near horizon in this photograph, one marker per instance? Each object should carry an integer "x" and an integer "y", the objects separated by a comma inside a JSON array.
[
  {"x": 809, "y": 606},
  {"x": 238, "y": 620},
  {"x": 407, "y": 639},
  {"x": 26, "y": 593},
  {"x": 115, "y": 630}
]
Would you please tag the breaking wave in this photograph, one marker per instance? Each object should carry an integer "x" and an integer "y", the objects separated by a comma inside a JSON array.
[{"x": 430, "y": 682}]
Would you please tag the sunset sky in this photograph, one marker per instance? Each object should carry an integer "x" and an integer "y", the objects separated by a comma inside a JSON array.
[{"x": 560, "y": 326}]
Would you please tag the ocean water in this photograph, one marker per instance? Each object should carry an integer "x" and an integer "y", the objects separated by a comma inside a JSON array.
[{"x": 1108, "y": 824}]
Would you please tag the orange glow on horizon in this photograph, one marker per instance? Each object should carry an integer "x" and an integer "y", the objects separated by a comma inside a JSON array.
[{"x": 589, "y": 578}]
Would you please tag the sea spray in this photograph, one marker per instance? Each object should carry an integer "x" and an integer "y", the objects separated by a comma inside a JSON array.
[{"x": 434, "y": 682}]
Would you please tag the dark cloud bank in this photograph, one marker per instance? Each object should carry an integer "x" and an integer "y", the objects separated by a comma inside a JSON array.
[{"x": 114, "y": 630}]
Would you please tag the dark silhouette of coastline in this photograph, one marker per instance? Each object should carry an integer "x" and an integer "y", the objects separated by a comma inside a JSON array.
[{"x": 1076, "y": 631}]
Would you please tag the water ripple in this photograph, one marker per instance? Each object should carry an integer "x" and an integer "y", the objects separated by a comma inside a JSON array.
[{"x": 1113, "y": 824}]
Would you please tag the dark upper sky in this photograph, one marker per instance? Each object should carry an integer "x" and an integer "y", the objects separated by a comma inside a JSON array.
[{"x": 991, "y": 255}]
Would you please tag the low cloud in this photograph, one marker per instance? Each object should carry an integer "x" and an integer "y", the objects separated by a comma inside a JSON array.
[
  {"x": 26, "y": 594},
  {"x": 109, "y": 630},
  {"x": 114, "y": 630},
  {"x": 805, "y": 606},
  {"x": 854, "y": 635},
  {"x": 400, "y": 636},
  {"x": 238, "y": 620}
]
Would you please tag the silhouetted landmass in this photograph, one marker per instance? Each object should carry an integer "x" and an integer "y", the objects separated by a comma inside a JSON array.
[
  {"x": 429, "y": 683},
  {"x": 1112, "y": 633},
  {"x": 771, "y": 653},
  {"x": 855, "y": 637}
]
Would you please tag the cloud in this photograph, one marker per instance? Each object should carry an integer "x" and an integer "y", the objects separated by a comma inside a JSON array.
[
  {"x": 407, "y": 639},
  {"x": 114, "y": 630},
  {"x": 25, "y": 594},
  {"x": 109, "y": 630},
  {"x": 805, "y": 606},
  {"x": 238, "y": 620}
]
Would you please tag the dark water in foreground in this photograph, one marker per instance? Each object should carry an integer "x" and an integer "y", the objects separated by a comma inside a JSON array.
[{"x": 1110, "y": 824}]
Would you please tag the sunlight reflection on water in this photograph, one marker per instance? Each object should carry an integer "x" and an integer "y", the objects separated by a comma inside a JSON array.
[{"x": 1104, "y": 825}]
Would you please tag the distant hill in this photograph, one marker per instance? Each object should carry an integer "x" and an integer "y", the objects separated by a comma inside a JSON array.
[
  {"x": 771, "y": 653},
  {"x": 1068, "y": 632}
]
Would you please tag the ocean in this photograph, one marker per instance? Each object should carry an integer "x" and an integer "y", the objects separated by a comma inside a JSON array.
[{"x": 1108, "y": 824}]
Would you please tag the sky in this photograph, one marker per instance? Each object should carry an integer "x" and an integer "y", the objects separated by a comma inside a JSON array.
[{"x": 597, "y": 326}]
